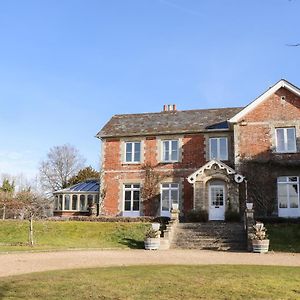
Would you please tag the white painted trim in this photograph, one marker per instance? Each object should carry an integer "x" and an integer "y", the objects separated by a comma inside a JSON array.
[
  {"x": 280, "y": 84},
  {"x": 208, "y": 166}
]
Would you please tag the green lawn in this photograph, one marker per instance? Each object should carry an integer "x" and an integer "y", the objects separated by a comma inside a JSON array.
[
  {"x": 72, "y": 234},
  {"x": 157, "y": 282},
  {"x": 284, "y": 237}
]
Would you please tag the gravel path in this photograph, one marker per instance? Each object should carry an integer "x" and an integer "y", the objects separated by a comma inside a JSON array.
[{"x": 21, "y": 263}]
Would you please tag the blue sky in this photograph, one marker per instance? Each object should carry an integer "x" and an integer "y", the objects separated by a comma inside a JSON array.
[{"x": 67, "y": 66}]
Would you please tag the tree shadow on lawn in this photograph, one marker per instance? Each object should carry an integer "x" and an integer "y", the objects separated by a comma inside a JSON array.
[{"x": 132, "y": 243}]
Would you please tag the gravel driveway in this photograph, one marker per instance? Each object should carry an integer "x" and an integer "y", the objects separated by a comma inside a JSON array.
[{"x": 21, "y": 263}]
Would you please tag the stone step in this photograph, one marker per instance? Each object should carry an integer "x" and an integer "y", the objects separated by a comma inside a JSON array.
[{"x": 212, "y": 235}]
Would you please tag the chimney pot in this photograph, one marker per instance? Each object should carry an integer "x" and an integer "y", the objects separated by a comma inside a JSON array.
[
  {"x": 174, "y": 107},
  {"x": 165, "y": 107}
]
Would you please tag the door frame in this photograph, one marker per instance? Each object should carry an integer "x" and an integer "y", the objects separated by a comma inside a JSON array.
[{"x": 222, "y": 218}]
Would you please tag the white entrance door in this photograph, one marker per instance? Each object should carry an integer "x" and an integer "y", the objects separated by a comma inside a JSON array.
[{"x": 216, "y": 202}]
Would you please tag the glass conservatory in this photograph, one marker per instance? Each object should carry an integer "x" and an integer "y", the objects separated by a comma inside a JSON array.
[{"x": 77, "y": 199}]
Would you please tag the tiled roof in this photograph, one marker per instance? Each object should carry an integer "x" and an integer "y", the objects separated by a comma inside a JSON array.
[
  {"x": 89, "y": 185},
  {"x": 169, "y": 122}
]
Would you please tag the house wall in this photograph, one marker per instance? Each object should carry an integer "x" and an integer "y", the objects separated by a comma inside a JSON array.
[
  {"x": 254, "y": 140},
  {"x": 116, "y": 172}
]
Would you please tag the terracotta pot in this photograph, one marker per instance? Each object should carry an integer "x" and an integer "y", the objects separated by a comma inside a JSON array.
[
  {"x": 152, "y": 243},
  {"x": 260, "y": 246}
]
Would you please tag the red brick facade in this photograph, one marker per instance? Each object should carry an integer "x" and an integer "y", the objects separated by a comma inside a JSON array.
[
  {"x": 252, "y": 137},
  {"x": 117, "y": 172}
]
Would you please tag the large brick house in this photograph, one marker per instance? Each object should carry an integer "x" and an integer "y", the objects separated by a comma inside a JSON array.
[{"x": 203, "y": 156}]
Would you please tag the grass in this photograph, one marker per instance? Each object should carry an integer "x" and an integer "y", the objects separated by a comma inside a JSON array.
[
  {"x": 284, "y": 237},
  {"x": 157, "y": 282},
  {"x": 67, "y": 235}
]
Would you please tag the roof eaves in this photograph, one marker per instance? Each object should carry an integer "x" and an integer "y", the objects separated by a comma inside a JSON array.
[{"x": 280, "y": 84}]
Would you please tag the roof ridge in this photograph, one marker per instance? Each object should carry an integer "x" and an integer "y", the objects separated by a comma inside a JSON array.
[{"x": 176, "y": 111}]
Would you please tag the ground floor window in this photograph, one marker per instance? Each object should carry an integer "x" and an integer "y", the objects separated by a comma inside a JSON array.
[
  {"x": 169, "y": 196},
  {"x": 131, "y": 199},
  {"x": 288, "y": 196}
]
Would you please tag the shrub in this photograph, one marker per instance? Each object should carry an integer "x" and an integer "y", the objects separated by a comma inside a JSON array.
[
  {"x": 198, "y": 215},
  {"x": 232, "y": 216},
  {"x": 152, "y": 233}
]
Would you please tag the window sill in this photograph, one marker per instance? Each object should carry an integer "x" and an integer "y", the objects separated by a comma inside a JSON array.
[
  {"x": 131, "y": 163},
  {"x": 286, "y": 152}
]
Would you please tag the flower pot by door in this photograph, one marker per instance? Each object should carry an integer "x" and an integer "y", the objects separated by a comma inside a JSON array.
[{"x": 260, "y": 246}]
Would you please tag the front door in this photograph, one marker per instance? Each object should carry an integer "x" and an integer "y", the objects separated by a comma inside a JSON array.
[{"x": 217, "y": 202}]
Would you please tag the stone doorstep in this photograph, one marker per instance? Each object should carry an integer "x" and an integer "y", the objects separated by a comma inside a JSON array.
[{"x": 164, "y": 244}]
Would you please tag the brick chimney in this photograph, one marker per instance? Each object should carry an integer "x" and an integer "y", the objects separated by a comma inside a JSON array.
[{"x": 169, "y": 107}]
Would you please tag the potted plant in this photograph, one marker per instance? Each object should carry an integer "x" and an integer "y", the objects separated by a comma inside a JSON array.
[
  {"x": 152, "y": 239},
  {"x": 260, "y": 241}
]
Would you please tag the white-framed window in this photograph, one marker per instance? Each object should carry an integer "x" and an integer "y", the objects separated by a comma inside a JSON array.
[
  {"x": 286, "y": 140},
  {"x": 131, "y": 199},
  {"x": 132, "y": 152},
  {"x": 169, "y": 196},
  {"x": 170, "y": 150},
  {"x": 288, "y": 196},
  {"x": 218, "y": 148}
]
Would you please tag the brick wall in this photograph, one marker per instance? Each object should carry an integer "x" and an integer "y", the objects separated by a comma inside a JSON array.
[
  {"x": 255, "y": 141},
  {"x": 255, "y": 134},
  {"x": 117, "y": 173}
]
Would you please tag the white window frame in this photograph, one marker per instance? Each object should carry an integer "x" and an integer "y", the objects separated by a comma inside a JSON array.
[
  {"x": 288, "y": 211},
  {"x": 132, "y": 161},
  {"x": 170, "y": 151},
  {"x": 131, "y": 212},
  {"x": 167, "y": 213},
  {"x": 285, "y": 138},
  {"x": 218, "y": 148}
]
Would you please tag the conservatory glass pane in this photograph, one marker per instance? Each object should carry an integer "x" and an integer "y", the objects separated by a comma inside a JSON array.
[{"x": 74, "y": 202}]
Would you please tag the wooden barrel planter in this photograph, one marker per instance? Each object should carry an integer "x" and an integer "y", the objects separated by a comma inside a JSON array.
[
  {"x": 152, "y": 243},
  {"x": 260, "y": 246}
]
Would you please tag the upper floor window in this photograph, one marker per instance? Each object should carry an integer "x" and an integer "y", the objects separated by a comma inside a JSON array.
[
  {"x": 170, "y": 151},
  {"x": 132, "y": 152},
  {"x": 285, "y": 139},
  {"x": 218, "y": 148}
]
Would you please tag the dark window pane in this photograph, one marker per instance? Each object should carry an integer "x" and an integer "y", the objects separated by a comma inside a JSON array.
[
  {"x": 136, "y": 195},
  {"x": 127, "y": 195},
  {"x": 127, "y": 206},
  {"x": 82, "y": 202},
  {"x": 74, "y": 202},
  {"x": 67, "y": 202},
  {"x": 136, "y": 205}
]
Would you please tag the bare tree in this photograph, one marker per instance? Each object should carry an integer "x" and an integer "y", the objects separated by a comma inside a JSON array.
[
  {"x": 31, "y": 206},
  {"x": 61, "y": 164},
  {"x": 150, "y": 191}
]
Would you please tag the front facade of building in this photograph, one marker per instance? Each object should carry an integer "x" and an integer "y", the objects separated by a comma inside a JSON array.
[{"x": 198, "y": 159}]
